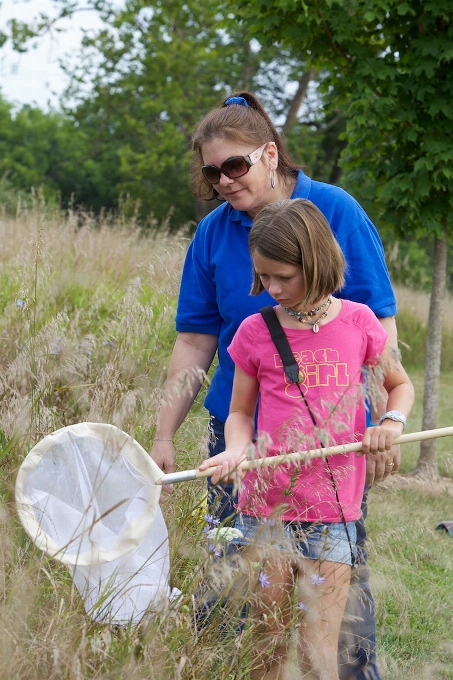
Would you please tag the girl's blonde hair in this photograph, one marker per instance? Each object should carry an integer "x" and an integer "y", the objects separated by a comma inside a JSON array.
[
  {"x": 249, "y": 125},
  {"x": 296, "y": 232}
]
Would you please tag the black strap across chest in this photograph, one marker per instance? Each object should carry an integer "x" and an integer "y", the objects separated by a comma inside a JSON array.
[
  {"x": 280, "y": 340},
  {"x": 278, "y": 335}
]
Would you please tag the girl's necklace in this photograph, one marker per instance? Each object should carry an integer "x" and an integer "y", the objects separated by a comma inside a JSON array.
[{"x": 304, "y": 317}]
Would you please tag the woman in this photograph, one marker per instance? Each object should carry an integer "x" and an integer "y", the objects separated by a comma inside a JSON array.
[{"x": 240, "y": 158}]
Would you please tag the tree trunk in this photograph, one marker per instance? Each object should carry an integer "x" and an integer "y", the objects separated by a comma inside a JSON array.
[
  {"x": 298, "y": 100},
  {"x": 427, "y": 462}
]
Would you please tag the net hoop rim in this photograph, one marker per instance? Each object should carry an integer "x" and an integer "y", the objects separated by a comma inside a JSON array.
[{"x": 134, "y": 453}]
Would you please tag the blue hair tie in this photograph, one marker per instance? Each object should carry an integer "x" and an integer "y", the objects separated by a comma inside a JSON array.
[{"x": 236, "y": 100}]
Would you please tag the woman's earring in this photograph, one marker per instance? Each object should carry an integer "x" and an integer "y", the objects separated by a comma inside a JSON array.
[{"x": 272, "y": 176}]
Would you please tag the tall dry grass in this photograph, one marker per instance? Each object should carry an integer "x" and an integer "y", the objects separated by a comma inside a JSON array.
[
  {"x": 86, "y": 329},
  {"x": 87, "y": 322},
  {"x": 416, "y": 303},
  {"x": 412, "y": 323}
]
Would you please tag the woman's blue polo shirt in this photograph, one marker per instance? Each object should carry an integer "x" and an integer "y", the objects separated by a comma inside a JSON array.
[{"x": 217, "y": 276}]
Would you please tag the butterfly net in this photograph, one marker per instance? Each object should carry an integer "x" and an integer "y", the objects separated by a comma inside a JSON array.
[{"x": 86, "y": 495}]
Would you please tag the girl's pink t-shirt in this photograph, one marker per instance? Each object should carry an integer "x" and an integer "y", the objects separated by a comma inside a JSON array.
[{"x": 332, "y": 379}]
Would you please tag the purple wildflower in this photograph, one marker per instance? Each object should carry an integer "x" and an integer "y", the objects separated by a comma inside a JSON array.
[
  {"x": 270, "y": 521},
  {"x": 211, "y": 520},
  {"x": 20, "y": 303},
  {"x": 302, "y": 606},
  {"x": 316, "y": 580},
  {"x": 265, "y": 583},
  {"x": 85, "y": 346},
  {"x": 214, "y": 550}
]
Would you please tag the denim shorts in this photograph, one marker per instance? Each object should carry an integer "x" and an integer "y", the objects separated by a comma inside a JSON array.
[{"x": 313, "y": 540}]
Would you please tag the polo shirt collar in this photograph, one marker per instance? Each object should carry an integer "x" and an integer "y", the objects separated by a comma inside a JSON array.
[
  {"x": 302, "y": 187},
  {"x": 240, "y": 216}
]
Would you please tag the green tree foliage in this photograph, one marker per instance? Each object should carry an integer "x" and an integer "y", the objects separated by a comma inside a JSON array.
[
  {"x": 23, "y": 32},
  {"x": 144, "y": 82},
  {"x": 139, "y": 88},
  {"x": 388, "y": 63},
  {"x": 40, "y": 149},
  {"x": 317, "y": 143}
]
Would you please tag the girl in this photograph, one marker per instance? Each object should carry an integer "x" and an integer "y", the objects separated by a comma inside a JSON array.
[{"x": 298, "y": 261}]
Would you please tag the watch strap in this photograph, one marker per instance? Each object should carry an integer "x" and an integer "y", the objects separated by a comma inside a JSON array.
[{"x": 397, "y": 416}]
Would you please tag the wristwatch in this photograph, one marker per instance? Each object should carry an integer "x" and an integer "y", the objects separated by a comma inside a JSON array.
[{"x": 394, "y": 415}]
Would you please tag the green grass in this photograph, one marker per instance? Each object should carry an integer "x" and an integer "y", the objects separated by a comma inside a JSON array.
[
  {"x": 412, "y": 563},
  {"x": 412, "y": 576},
  {"x": 413, "y": 334}
]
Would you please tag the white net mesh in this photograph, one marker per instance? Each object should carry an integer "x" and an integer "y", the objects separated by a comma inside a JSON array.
[{"x": 86, "y": 495}]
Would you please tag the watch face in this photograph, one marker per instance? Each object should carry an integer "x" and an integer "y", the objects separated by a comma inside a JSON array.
[{"x": 394, "y": 415}]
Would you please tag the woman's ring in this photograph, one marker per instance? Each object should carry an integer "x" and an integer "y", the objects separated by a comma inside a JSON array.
[{"x": 389, "y": 464}]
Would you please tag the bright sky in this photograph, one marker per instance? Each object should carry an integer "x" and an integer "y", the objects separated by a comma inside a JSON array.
[{"x": 35, "y": 77}]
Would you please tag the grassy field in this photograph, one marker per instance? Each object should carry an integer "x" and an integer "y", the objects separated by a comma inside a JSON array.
[
  {"x": 412, "y": 563},
  {"x": 86, "y": 330}
]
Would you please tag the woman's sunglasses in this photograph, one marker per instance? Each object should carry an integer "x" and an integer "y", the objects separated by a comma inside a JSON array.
[{"x": 233, "y": 167}]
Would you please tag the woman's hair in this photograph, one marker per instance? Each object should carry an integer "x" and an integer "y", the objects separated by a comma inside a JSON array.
[
  {"x": 296, "y": 232},
  {"x": 249, "y": 125}
]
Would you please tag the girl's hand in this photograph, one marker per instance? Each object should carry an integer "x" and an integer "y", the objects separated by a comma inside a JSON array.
[
  {"x": 380, "y": 438},
  {"x": 227, "y": 463}
]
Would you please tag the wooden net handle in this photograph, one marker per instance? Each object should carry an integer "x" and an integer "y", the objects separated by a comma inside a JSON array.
[{"x": 272, "y": 461}]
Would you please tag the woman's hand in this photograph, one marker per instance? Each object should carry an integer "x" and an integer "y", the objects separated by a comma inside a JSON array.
[
  {"x": 383, "y": 458},
  {"x": 381, "y": 465},
  {"x": 164, "y": 455},
  {"x": 227, "y": 465},
  {"x": 190, "y": 361}
]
